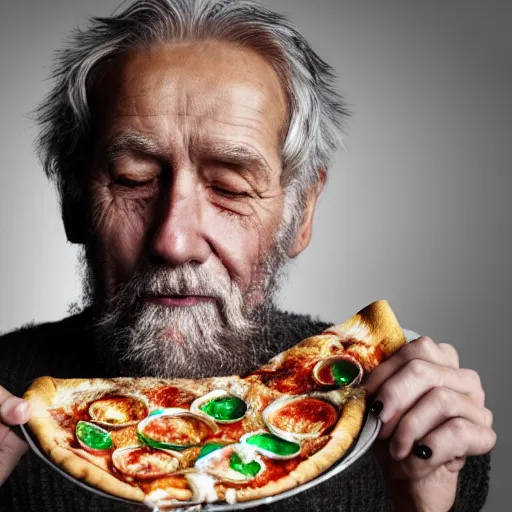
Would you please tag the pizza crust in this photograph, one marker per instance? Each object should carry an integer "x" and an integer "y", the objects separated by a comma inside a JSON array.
[{"x": 378, "y": 330}]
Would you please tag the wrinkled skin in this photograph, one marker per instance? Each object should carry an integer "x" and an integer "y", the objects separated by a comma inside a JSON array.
[{"x": 207, "y": 188}]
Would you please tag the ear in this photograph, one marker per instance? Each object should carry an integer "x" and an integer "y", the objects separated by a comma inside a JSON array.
[
  {"x": 303, "y": 235},
  {"x": 75, "y": 220}
]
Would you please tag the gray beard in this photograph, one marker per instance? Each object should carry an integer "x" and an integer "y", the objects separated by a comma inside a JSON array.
[
  {"x": 150, "y": 347},
  {"x": 203, "y": 340},
  {"x": 135, "y": 338}
]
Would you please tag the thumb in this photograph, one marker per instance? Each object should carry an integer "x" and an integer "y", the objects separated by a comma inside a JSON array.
[{"x": 12, "y": 448}]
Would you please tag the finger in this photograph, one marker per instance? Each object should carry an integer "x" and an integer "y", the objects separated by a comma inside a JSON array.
[
  {"x": 450, "y": 353},
  {"x": 423, "y": 349},
  {"x": 455, "y": 439},
  {"x": 11, "y": 450},
  {"x": 14, "y": 410},
  {"x": 456, "y": 464},
  {"x": 433, "y": 409},
  {"x": 401, "y": 391}
]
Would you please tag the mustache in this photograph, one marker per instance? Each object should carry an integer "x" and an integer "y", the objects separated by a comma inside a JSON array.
[{"x": 187, "y": 279}]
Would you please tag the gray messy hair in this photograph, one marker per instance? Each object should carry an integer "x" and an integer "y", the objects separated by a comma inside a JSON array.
[{"x": 317, "y": 113}]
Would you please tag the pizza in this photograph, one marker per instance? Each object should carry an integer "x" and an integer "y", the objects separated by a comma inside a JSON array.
[{"x": 171, "y": 443}]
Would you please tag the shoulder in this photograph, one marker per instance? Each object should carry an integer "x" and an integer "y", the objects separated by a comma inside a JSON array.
[
  {"x": 27, "y": 332},
  {"x": 32, "y": 334},
  {"x": 300, "y": 324},
  {"x": 284, "y": 330},
  {"x": 34, "y": 350}
]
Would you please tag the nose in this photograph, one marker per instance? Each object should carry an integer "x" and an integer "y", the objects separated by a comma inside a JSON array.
[{"x": 178, "y": 236}]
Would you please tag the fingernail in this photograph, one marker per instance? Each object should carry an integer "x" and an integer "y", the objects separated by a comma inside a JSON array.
[
  {"x": 21, "y": 409},
  {"x": 376, "y": 407},
  {"x": 422, "y": 451}
]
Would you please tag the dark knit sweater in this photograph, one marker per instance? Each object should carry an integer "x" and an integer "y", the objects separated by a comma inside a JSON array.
[{"x": 56, "y": 349}]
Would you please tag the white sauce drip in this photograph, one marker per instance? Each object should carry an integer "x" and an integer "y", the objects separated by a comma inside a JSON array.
[
  {"x": 203, "y": 487},
  {"x": 246, "y": 452},
  {"x": 230, "y": 496}
]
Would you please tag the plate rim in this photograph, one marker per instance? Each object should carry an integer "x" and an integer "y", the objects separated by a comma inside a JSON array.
[{"x": 362, "y": 444}]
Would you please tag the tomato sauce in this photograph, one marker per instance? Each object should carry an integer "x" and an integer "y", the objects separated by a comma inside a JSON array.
[
  {"x": 301, "y": 415},
  {"x": 229, "y": 432},
  {"x": 294, "y": 376},
  {"x": 64, "y": 420},
  {"x": 275, "y": 469},
  {"x": 132, "y": 457},
  {"x": 374, "y": 354},
  {"x": 325, "y": 374},
  {"x": 81, "y": 412},
  {"x": 170, "y": 396},
  {"x": 68, "y": 421}
]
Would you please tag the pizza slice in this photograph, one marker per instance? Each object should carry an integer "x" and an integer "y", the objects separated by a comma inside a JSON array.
[{"x": 177, "y": 442}]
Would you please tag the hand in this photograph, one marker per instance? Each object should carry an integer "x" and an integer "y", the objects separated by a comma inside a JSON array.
[
  {"x": 433, "y": 416},
  {"x": 13, "y": 411}
]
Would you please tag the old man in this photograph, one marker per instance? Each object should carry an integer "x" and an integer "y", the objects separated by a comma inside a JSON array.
[{"x": 190, "y": 141}]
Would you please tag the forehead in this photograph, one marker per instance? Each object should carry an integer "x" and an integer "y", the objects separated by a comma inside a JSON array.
[{"x": 211, "y": 87}]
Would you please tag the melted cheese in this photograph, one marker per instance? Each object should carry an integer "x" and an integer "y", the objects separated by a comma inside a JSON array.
[
  {"x": 203, "y": 487},
  {"x": 156, "y": 498},
  {"x": 230, "y": 496},
  {"x": 116, "y": 410},
  {"x": 113, "y": 415},
  {"x": 246, "y": 452},
  {"x": 218, "y": 463},
  {"x": 164, "y": 464}
]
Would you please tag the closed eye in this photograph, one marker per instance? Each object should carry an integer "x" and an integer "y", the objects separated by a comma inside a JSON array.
[
  {"x": 230, "y": 193},
  {"x": 126, "y": 182}
]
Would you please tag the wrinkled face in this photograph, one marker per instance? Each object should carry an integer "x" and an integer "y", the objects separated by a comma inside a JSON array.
[{"x": 186, "y": 197}]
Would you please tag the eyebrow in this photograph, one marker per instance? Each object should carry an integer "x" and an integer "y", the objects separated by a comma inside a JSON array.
[
  {"x": 130, "y": 142},
  {"x": 240, "y": 155},
  {"x": 234, "y": 154}
]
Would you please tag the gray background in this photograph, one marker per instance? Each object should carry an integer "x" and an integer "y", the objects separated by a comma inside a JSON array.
[{"x": 417, "y": 210}]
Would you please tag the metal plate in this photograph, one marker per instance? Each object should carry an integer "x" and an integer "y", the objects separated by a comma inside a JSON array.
[{"x": 368, "y": 434}]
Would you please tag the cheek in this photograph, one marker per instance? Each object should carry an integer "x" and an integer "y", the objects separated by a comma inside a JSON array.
[
  {"x": 241, "y": 243},
  {"x": 120, "y": 227}
]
